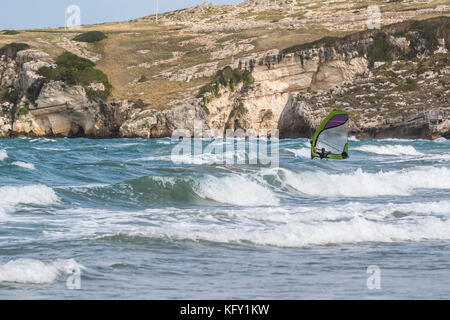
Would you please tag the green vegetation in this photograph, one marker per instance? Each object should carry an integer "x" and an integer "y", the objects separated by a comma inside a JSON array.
[
  {"x": 11, "y": 49},
  {"x": 409, "y": 85},
  {"x": 90, "y": 37},
  {"x": 240, "y": 110},
  {"x": 432, "y": 30},
  {"x": 25, "y": 110},
  {"x": 74, "y": 70},
  {"x": 11, "y": 32},
  {"x": 325, "y": 42},
  {"x": 227, "y": 77},
  {"x": 270, "y": 15},
  {"x": 143, "y": 79},
  {"x": 379, "y": 50},
  {"x": 9, "y": 95}
]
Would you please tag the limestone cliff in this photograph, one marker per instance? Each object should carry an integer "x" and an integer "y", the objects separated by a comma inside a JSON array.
[{"x": 393, "y": 81}]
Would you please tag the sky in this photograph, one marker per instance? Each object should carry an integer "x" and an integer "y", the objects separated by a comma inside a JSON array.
[{"x": 29, "y": 14}]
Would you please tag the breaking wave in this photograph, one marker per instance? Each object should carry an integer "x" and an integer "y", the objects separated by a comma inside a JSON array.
[
  {"x": 33, "y": 194},
  {"x": 30, "y": 271},
  {"x": 236, "y": 190},
  {"x": 390, "y": 150},
  {"x": 354, "y": 230},
  {"x": 3, "y": 155},
  {"x": 24, "y": 165},
  {"x": 364, "y": 184},
  {"x": 231, "y": 190}
]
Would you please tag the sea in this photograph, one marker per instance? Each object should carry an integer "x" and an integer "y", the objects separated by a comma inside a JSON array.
[{"x": 126, "y": 219}]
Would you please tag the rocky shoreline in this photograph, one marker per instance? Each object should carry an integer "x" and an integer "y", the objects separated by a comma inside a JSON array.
[{"x": 401, "y": 91}]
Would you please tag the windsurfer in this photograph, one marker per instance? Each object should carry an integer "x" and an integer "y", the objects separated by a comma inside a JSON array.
[{"x": 324, "y": 154}]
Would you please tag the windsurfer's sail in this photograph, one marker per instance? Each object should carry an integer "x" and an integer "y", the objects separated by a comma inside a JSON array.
[{"x": 332, "y": 135}]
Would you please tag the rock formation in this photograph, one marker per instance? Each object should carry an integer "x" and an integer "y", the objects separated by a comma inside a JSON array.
[{"x": 393, "y": 81}]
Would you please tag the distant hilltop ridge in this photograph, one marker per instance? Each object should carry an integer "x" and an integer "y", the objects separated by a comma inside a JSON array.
[{"x": 256, "y": 65}]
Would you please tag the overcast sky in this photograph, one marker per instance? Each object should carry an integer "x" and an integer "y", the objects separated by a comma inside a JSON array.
[{"x": 27, "y": 14}]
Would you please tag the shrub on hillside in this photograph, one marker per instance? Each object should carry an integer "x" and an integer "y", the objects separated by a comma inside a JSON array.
[
  {"x": 92, "y": 36},
  {"x": 11, "y": 32},
  {"x": 74, "y": 70},
  {"x": 11, "y": 49}
]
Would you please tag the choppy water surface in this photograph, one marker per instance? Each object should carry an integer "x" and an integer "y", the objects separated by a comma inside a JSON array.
[{"x": 140, "y": 226}]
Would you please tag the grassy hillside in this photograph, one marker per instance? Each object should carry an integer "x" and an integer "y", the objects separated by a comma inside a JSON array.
[{"x": 147, "y": 60}]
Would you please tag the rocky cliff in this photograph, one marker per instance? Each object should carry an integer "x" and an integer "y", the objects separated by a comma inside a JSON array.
[{"x": 392, "y": 81}]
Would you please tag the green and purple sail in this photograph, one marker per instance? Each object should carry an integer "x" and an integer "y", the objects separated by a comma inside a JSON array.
[{"x": 332, "y": 134}]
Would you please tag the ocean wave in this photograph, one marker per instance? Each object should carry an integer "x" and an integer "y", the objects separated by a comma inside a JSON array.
[
  {"x": 209, "y": 158},
  {"x": 42, "y": 140},
  {"x": 364, "y": 184},
  {"x": 232, "y": 190},
  {"x": 24, "y": 165},
  {"x": 236, "y": 190},
  {"x": 303, "y": 152},
  {"x": 352, "y": 231},
  {"x": 3, "y": 155},
  {"x": 440, "y": 140},
  {"x": 30, "y": 271},
  {"x": 390, "y": 150},
  {"x": 32, "y": 194}
]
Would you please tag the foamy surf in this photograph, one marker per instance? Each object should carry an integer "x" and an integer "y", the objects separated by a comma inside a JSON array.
[
  {"x": 303, "y": 152},
  {"x": 24, "y": 165},
  {"x": 236, "y": 190},
  {"x": 30, "y": 271},
  {"x": 3, "y": 155},
  {"x": 296, "y": 235},
  {"x": 390, "y": 150},
  {"x": 33, "y": 194},
  {"x": 364, "y": 184}
]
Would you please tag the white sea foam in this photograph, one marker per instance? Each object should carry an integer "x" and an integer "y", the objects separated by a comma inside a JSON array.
[
  {"x": 3, "y": 155},
  {"x": 301, "y": 234},
  {"x": 440, "y": 140},
  {"x": 303, "y": 152},
  {"x": 296, "y": 226},
  {"x": 236, "y": 190},
  {"x": 364, "y": 184},
  {"x": 25, "y": 165},
  {"x": 42, "y": 140},
  {"x": 32, "y": 194},
  {"x": 353, "y": 138},
  {"x": 29, "y": 271},
  {"x": 390, "y": 150},
  {"x": 221, "y": 157}
]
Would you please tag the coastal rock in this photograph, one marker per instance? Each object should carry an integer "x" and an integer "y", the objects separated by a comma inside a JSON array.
[{"x": 158, "y": 124}]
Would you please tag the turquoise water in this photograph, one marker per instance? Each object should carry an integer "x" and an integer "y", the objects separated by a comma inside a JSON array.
[{"x": 137, "y": 225}]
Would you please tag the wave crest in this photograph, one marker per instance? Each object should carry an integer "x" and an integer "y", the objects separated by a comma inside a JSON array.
[
  {"x": 33, "y": 194},
  {"x": 30, "y": 271},
  {"x": 3, "y": 155},
  {"x": 364, "y": 184},
  {"x": 390, "y": 150}
]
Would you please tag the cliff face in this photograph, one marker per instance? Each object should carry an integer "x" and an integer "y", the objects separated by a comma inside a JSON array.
[
  {"x": 393, "y": 82},
  {"x": 34, "y": 107},
  {"x": 276, "y": 77}
]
